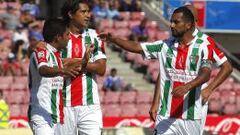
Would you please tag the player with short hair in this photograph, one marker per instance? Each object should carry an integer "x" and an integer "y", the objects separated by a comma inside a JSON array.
[
  {"x": 185, "y": 67},
  {"x": 46, "y": 76}
]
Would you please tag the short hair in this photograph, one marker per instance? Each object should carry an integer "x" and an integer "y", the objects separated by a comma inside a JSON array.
[
  {"x": 71, "y": 6},
  {"x": 52, "y": 28},
  {"x": 187, "y": 14},
  {"x": 113, "y": 70}
]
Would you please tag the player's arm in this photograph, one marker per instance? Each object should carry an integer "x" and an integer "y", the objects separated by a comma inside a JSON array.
[
  {"x": 125, "y": 44},
  {"x": 203, "y": 76},
  {"x": 156, "y": 100},
  {"x": 46, "y": 71},
  {"x": 223, "y": 74},
  {"x": 97, "y": 67}
]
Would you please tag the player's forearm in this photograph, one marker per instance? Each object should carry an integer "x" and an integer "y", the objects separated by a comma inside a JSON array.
[
  {"x": 156, "y": 96},
  {"x": 98, "y": 67},
  {"x": 127, "y": 45},
  {"x": 46, "y": 71},
  {"x": 203, "y": 76},
  {"x": 225, "y": 71}
]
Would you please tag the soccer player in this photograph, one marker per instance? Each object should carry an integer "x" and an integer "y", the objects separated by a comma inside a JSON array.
[
  {"x": 81, "y": 100},
  {"x": 220, "y": 60},
  {"x": 46, "y": 76},
  {"x": 185, "y": 66}
]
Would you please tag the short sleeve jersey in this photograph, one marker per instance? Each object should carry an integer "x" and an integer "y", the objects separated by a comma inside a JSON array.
[
  {"x": 179, "y": 65},
  {"x": 46, "y": 92},
  {"x": 83, "y": 89},
  {"x": 218, "y": 56}
]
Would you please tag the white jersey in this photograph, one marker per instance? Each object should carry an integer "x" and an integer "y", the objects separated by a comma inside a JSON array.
[
  {"x": 218, "y": 56},
  {"x": 46, "y": 92},
  {"x": 179, "y": 65},
  {"x": 83, "y": 89}
]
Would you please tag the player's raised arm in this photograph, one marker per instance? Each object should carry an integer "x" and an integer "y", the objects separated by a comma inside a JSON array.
[{"x": 125, "y": 44}]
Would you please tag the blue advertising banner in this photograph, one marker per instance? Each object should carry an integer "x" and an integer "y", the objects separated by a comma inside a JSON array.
[
  {"x": 214, "y": 15},
  {"x": 223, "y": 15}
]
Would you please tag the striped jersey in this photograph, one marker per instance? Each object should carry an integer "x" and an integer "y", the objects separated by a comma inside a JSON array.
[
  {"x": 83, "y": 89},
  {"x": 218, "y": 56},
  {"x": 179, "y": 65},
  {"x": 46, "y": 92}
]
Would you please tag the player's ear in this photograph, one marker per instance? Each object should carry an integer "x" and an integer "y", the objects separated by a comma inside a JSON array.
[{"x": 70, "y": 15}]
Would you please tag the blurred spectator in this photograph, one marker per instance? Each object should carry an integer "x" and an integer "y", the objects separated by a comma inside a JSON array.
[
  {"x": 112, "y": 12},
  {"x": 26, "y": 18},
  {"x": 10, "y": 19},
  {"x": 21, "y": 34},
  {"x": 140, "y": 32},
  {"x": 4, "y": 112},
  {"x": 113, "y": 82},
  {"x": 31, "y": 7},
  {"x": 130, "y": 5},
  {"x": 100, "y": 10},
  {"x": 13, "y": 66}
]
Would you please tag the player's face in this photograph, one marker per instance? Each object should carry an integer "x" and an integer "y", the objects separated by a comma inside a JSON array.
[
  {"x": 82, "y": 16},
  {"x": 178, "y": 26},
  {"x": 64, "y": 39}
]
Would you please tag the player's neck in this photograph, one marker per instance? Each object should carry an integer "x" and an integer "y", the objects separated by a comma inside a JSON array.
[
  {"x": 76, "y": 30},
  {"x": 186, "y": 38},
  {"x": 55, "y": 45}
]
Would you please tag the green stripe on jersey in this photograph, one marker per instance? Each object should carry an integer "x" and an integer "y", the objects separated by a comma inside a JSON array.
[
  {"x": 89, "y": 89},
  {"x": 169, "y": 58},
  {"x": 64, "y": 53},
  {"x": 55, "y": 65},
  {"x": 95, "y": 51},
  {"x": 154, "y": 48},
  {"x": 167, "y": 85},
  {"x": 54, "y": 105},
  {"x": 64, "y": 93},
  {"x": 191, "y": 104},
  {"x": 193, "y": 59}
]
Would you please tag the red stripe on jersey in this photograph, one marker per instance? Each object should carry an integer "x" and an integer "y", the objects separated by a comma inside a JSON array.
[
  {"x": 76, "y": 83},
  {"x": 181, "y": 59},
  {"x": 219, "y": 53},
  {"x": 103, "y": 47},
  {"x": 102, "y": 44},
  {"x": 177, "y": 103},
  {"x": 41, "y": 55},
  {"x": 57, "y": 54},
  {"x": 61, "y": 107}
]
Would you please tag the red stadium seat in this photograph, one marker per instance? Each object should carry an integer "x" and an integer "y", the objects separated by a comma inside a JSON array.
[
  {"x": 128, "y": 110},
  {"x": 228, "y": 96},
  {"x": 105, "y": 23},
  {"x": 128, "y": 97},
  {"x": 111, "y": 97},
  {"x": 133, "y": 23},
  {"x": 125, "y": 15},
  {"x": 215, "y": 106},
  {"x": 111, "y": 110},
  {"x": 143, "y": 109},
  {"x": 143, "y": 97},
  {"x": 120, "y": 24},
  {"x": 230, "y": 109},
  {"x": 15, "y": 110}
]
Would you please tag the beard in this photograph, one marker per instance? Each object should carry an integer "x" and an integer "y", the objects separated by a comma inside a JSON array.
[{"x": 178, "y": 34}]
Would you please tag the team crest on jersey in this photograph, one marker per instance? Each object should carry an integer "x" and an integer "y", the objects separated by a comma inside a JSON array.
[
  {"x": 76, "y": 49},
  {"x": 40, "y": 54}
]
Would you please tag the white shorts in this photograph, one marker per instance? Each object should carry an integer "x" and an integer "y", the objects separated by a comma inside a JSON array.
[
  {"x": 86, "y": 120},
  {"x": 204, "y": 116},
  {"x": 172, "y": 126},
  {"x": 41, "y": 123}
]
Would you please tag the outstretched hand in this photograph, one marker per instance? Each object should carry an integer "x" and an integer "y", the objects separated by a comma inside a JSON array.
[{"x": 105, "y": 36}]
